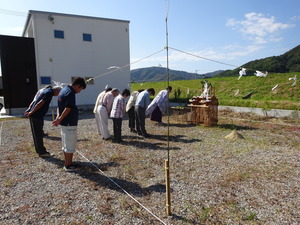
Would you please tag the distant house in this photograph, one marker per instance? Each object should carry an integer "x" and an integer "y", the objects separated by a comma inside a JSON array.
[{"x": 67, "y": 46}]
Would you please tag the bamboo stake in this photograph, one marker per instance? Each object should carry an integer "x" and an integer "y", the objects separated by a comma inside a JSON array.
[
  {"x": 168, "y": 194},
  {"x": 52, "y": 114}
]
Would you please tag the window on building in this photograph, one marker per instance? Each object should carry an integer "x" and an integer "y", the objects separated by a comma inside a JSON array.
[
  {"x": 59, "y": 34},
  {"x": 45, "y": 80},
  {"x": 87, "y": 37}
]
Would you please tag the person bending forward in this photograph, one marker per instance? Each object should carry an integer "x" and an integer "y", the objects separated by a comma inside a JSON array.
[
  {"x": 117, "y": 113},
  {"x": 67, "y": 117}
]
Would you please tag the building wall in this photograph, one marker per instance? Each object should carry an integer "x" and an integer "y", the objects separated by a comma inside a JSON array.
[{"x": 62, "y": 59}]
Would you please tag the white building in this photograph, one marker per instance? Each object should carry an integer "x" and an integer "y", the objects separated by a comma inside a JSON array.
[{"x": 68, "y": 46}]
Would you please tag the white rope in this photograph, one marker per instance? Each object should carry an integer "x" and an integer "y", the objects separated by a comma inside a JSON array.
[
  {"x": 121, "y": 67},
  {"x": 203, "y": 57},
  {"x": 122, "y": 189}
]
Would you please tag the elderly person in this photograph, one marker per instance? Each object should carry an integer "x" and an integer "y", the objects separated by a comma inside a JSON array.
[
  {"x": 104, "y": 109},
  {"x": 158, "y": 106},
  {"x": 97, "y": 104},
  {"x": 130, "y": 110},
  {"x": 117, "y": 113},
  {"x": 36, "y": 112}
]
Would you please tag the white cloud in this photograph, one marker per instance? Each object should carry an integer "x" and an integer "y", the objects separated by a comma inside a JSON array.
[
  {"x": 258, "y": 27},
  {"x": 295, "y": 18}
]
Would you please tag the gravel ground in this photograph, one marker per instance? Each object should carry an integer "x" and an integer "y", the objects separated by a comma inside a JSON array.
[{"x": 251, "y": 180}]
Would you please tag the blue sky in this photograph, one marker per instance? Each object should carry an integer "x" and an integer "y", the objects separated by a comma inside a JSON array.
[{"x": 231, "y": 31}]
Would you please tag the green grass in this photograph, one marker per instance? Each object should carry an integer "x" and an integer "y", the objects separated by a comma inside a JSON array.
[{"x": 283, "y": 97}]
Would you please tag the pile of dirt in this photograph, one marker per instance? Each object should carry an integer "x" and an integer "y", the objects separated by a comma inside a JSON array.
[{"x": 234, "y": 135}]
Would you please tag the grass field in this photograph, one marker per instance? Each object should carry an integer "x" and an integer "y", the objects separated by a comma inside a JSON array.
[{"x": 283, "y": 97}]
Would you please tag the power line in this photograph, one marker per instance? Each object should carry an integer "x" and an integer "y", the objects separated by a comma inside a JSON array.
[
  {"x": 13, "y": 13},
  {"x": 120, "y": 68},
  {"x": 227, "y": 64}
]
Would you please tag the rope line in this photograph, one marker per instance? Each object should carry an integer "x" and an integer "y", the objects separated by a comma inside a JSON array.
[
  {"x": 120, "y": 68},
  {"x": 122, "y": 189},
  {"x": 13, "y": 13},
  {"x": 197, "y": 56}
]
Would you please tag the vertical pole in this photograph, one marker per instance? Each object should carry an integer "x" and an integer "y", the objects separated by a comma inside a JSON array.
[
  {"x": 52, "y": 114},
  {"x": 51, "y": 60},
  {"x": 168, "y": 193}
]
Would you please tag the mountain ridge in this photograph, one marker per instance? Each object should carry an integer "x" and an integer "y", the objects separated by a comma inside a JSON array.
[
  {"x": 285, "y": 63},
  {"x": 157, "y": 74}
]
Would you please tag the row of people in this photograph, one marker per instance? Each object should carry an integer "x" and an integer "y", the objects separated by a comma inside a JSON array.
[
  {"x": 155, "y": 109},
  {"x": 137, "y": 107},
  {"x": 109, "y": 103}
]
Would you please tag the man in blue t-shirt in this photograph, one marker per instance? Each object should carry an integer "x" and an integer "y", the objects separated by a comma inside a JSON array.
[
  {"x": 67, "y": 117},
  {"x": 36, "y": 112}
]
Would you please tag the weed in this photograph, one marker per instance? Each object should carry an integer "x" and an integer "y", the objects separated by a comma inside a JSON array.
[
  {"x": 125, "y": 205},
  {"x": 251, "y": 216},
  {"x": 8, "y": 182},
  {"x": 117, "y": 158},
  {"x": 90, "y": 218},
  {"x": 204, "y": 214}
]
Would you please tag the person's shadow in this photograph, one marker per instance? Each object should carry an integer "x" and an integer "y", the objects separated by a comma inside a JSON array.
[
  {"x": 91, "y": 172},
  {"x": 136, "y": 141}
]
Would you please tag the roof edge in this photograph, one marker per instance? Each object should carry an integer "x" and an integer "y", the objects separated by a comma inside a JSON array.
[
  {"x": 26, "y": 24},
  {"x": 73, "y": 15},
  {"x": 30, "y": 12}
]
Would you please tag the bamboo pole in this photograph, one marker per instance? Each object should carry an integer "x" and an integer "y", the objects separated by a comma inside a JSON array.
[
  {"x": 168, "y": 193},
  {"x": 53, "y": 114}
]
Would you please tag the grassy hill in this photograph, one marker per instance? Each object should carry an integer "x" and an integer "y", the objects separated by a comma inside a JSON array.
[
  {"x": 285, "y": 63},
  {"x": 283, "y": 97},
  {"x": 158, "y": 74}
]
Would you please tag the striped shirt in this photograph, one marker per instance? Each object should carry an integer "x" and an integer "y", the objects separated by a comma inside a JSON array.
[{"x": 118, "y": 107}]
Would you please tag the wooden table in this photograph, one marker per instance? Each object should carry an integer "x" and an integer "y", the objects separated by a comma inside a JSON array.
[{"x": 206, "y": 114}]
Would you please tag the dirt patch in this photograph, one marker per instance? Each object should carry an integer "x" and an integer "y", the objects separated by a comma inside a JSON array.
[{"x": 254, "y": 180}]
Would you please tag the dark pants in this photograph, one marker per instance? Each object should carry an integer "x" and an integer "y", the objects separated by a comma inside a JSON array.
[
  {"x": 117, "y": 129},
  {"x": 140, "y": 117},
  {"x": 131, "y": 118},
  {"x": 37, "y": 134},
  {"x": 156, "y": 115}
]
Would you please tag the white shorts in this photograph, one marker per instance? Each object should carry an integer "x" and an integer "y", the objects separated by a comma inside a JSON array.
[{"x": 69, "y": 138}]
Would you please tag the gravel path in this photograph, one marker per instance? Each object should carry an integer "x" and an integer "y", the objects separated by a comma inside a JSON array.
[{"x": 252, "y": 180}]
